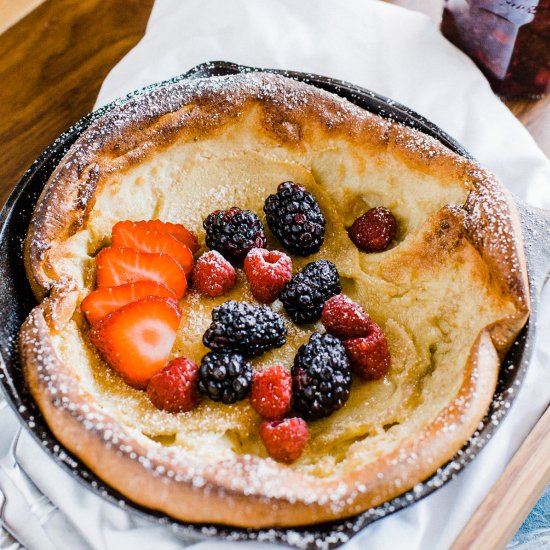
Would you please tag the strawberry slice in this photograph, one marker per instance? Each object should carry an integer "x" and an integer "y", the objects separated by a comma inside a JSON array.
[
  {"x": 117, "y": 266},
  {"x": 136, "y": 340},
  {"x": 177, "y": 230},
  {"x": 102, "y": 301},
  {"x": 145, "y": 240}
]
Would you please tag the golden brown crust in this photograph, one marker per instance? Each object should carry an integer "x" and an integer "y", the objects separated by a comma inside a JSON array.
[
  {"x": 264, "y": 493},
  {"x": 137, "y": 129}
]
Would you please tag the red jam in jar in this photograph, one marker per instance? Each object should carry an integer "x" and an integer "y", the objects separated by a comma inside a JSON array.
[{"x": 508, "y": 39}]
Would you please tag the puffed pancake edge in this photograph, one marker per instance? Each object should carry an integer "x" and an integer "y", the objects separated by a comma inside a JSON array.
[{"x": 158, "y": 478}]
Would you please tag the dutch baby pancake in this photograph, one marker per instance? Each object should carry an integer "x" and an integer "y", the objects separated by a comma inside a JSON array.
[{"x": 261, "y": 305}]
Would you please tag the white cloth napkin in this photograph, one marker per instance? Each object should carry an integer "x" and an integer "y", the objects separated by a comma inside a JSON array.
[{"x": 400, "y": 54}]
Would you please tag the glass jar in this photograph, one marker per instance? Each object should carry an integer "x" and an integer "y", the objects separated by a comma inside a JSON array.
[{"x": 509, "y": 40}]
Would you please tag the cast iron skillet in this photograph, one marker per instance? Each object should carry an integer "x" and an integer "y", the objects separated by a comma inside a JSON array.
[{"x": 16, "y": 301}]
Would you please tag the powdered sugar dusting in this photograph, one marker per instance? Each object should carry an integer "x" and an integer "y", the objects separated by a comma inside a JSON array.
[{"x": 257, "y": 477}]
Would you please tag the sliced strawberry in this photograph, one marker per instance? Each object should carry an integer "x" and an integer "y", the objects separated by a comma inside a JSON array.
[
  {"x": 136, "y": 339},
  {"x": 117, "y": 266},
  {"x": 145, "y": 240},
  {"x": 102, "y": 301},
  {"x": 177, "y": 230}
]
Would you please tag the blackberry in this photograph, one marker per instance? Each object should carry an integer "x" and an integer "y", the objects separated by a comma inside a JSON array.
[
  {"x": 306, "y": 293},
  {"x": 234, "y": 232},
  {"x": 243, "y": 328},
  {"x": 321, "y": 377},
  {"x": 225, "y": 377},
  {"x": 295, "y": 218}
]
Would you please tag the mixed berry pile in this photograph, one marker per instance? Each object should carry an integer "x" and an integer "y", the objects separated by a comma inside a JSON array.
[{"x": 134, "y": 314}]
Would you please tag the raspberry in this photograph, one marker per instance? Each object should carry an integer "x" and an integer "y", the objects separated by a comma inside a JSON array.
[
  {"x": 234, "y": 232},
  {"x": 374, "y": 230},
  {"x": 369, "y": 356},
  {"x": 267, "y": 272},
  {"x": 344, "y": 318},
  {"x": 271, "y": 392},
  {"x": 285, "y": 439},
  {"x": 174, "y": 388},
  {"x": 213, "y": 274},
  {"x": 295, "y": 218}
]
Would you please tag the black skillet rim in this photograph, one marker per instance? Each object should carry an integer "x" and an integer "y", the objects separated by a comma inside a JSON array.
[{"x": 329, "y": 535}]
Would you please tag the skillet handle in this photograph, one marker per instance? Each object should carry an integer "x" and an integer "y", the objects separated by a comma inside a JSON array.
[{"x": 536, "y": 236}]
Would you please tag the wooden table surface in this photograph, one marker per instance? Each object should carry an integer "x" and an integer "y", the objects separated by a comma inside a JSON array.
[
  {"x": 53, "y": 61},
  {"x": 52, "y": 64}
]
